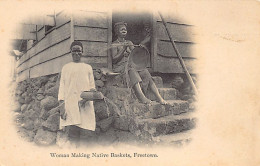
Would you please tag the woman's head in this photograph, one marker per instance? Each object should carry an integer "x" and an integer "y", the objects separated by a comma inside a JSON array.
[
  {"x": 76, "y": 49},
  {"x": 120, "y": 29}
]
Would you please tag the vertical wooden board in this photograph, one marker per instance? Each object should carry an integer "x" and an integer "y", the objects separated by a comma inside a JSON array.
[
  {"x": 94, "y": 48},
  {"x": 23, "y": 75},
  {"x": 91, "y": 19},
  {"x": 182, "y": 33},
  {"x": 165, "y": 48},
  {"x": 50, "y": 53},
  {"x": 62, "y": 17},
  {"x": 91, "y": 34},
  {"x": 172, "y": 65},
  {"x": 50, "y": 67}
]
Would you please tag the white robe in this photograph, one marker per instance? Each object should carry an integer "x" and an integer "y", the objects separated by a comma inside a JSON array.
[{"x": 76, "y": 78}]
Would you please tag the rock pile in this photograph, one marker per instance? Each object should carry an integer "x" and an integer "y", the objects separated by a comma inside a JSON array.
[
  {"x": 38, "y": 113},
  {"x": 119, "y": 118}
]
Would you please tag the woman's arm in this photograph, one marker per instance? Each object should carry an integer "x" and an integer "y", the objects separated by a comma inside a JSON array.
[
  {"x": 131, "y": 45},
  {"x": 117, "y": 55}
]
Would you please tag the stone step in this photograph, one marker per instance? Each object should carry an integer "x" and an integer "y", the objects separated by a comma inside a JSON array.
[
  {"x": 166, "y": 93},
  {"x": 181, "y": 138},
  {"x": 148, "y": 128},
  {"x": 157, "y": 110},
  {"x": 158, "y": 81}
]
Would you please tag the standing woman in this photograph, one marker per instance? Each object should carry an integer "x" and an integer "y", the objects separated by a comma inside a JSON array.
[
  {"x": 76, "y": 77},
  {"x": 138, "y": 80}
]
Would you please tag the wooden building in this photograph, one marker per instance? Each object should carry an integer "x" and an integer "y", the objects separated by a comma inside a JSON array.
[{"x": 48, "y": 46}]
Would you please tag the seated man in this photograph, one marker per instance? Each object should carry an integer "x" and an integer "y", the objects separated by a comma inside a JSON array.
[{"x": 138, "y": 80}]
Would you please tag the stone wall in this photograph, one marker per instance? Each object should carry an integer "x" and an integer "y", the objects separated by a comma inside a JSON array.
[{"x": 37, "y": 117}]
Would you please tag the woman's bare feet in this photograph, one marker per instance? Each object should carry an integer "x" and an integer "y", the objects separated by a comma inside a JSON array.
[
  {"x": 162, "y": 101},
  {"x": 145, "y": 101}
]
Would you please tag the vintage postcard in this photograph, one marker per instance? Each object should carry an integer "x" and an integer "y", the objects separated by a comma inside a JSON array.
[{"x": 130, "y": 83}]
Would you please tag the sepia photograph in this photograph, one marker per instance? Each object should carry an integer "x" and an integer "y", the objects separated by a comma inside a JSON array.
[{"x": 159, "y": 83}]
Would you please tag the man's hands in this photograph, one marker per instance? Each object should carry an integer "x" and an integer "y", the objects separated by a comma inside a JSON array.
[{"x": 63, "y": 113}]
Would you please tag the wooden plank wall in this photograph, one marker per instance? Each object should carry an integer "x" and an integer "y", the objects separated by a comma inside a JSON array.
[
  {"x": 165, "y": 58},
  {"x": 50, "y": 53},
  {"x": 93, "y": 29}
]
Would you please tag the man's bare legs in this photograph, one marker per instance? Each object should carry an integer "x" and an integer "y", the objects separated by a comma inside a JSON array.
[
  {"x": 140, "y": 95},
  {"x": 142, "y": 98},
  {"x": 154, "y": 89}
]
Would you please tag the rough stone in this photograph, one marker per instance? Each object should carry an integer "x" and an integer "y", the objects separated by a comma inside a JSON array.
[
  {"x": 85, "y": 134},
  {"x": 52, "y": 123},
  {"x": 127, "y": 137},
  {"x": 38, "y": 123},
  {"x": 44, "y": 137},
  {"x": 148, "y": 128},
  {"x": 21, "y": 100},
  {"x": 53, "y": 91},
  {"x": 175, "y": 107},
  {"x": 49, "y": 102},
  {"x": 24, "y": 94},
  {"x": 97, "y": 75},
  {"x": 107, "y": 138},
  {"x": 103, "y": 78},
  {"x": 16, "y": 107},
  {"x": 18, "y": 92},
  {"x": 28, "y": 124},
  {"x": 114, "y": 93},
  {"x": 43, "y": 80},
  {"x": 105, "y": 124},
  {"x": 44, "y": 114},
  {"x": 99, "y": 83},
  {"x": 177, "y": 82},
  {"x": 27, "y": 99},
  {"x": 27, "y": 135},
  {"x": 122, "y": 123},
  {"x": 40, "y": 91},
  {"x": 138, "y": 109},
  {"x": 103, "y": 90},
  {"x": 31, "y": 114},
  {"x": 24, "y": 107},
  {"x": 49, "y": 85},
  {"x": 166, "y": 93},
  {"x": 101, "y": 110},
  {"x": 156, "y": 110},
  {"x": 53, "y": 78},
  {"x": 57, "y": 110},
  {"x": 39, "y": 97},
  {"x": 36, "y": 106},
  {"x": 158, "y": 81},
  {"x": 123, "y": 107}
]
